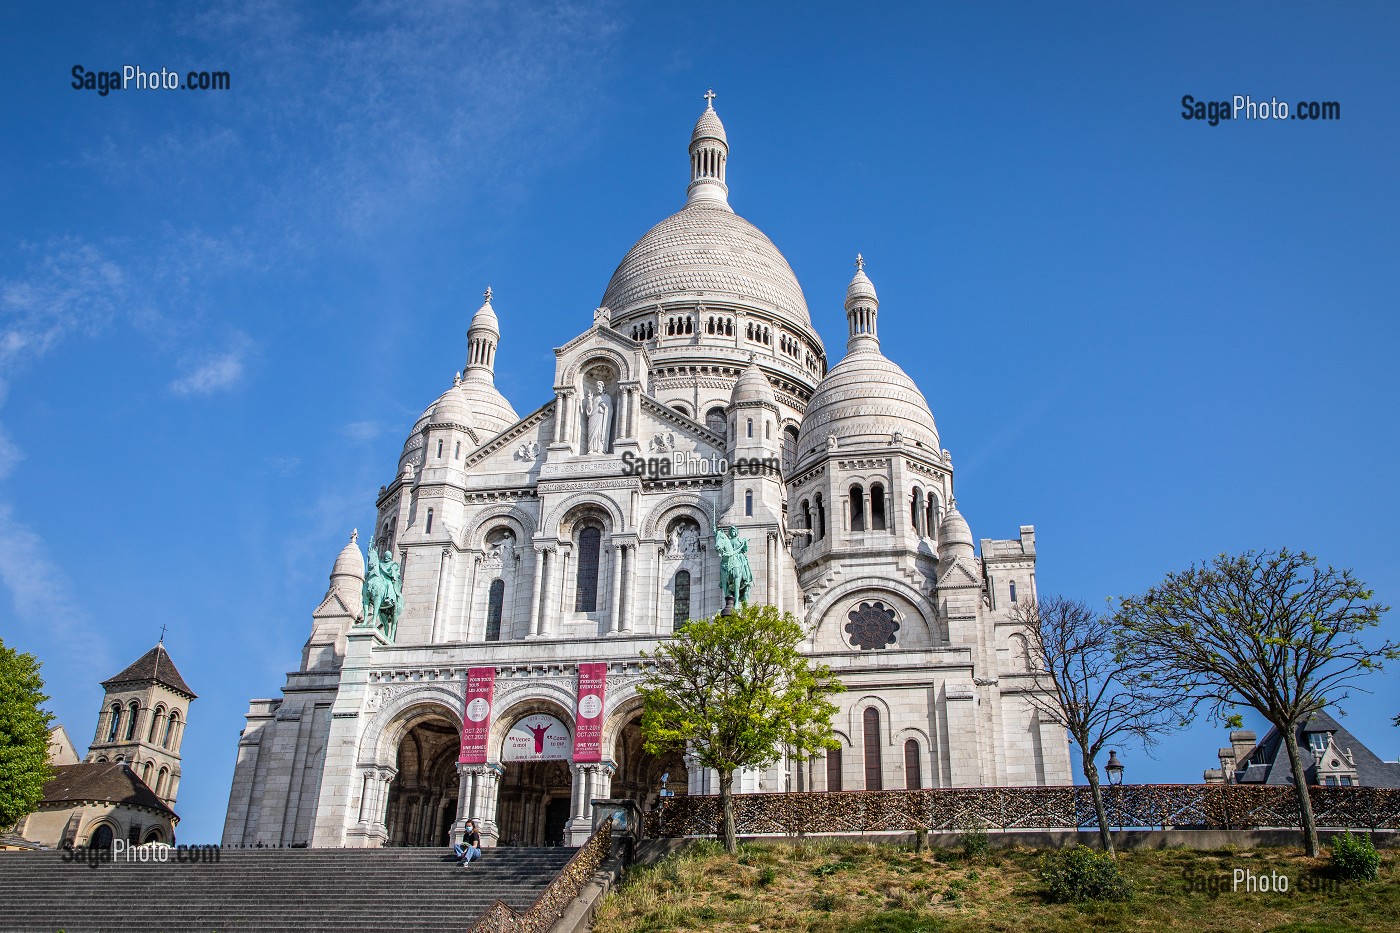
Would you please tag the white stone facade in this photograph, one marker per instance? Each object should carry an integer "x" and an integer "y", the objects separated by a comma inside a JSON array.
[{"x": 705, "y": 354}]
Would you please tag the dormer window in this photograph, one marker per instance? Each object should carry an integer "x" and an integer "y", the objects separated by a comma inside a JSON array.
[{"x": 1317, "y": 742}]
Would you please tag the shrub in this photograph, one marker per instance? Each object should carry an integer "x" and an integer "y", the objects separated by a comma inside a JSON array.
[
  {"x": 767, "y": 876},
  {"x": 1354, "y": 858},
  {"x": 975, "y": 844},
  {"x": 1081, "y": 874}
]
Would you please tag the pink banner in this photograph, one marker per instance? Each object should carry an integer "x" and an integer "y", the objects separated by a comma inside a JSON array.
[
  {"x": 476, "y": 724},
  {"x": 588, "y": 730}
]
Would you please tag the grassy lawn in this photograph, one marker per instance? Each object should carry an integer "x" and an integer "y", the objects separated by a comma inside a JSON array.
[{"x": 868, "y": 888}]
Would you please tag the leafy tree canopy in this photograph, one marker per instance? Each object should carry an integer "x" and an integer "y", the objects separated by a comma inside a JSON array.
[{"x": 24, "y": 736}]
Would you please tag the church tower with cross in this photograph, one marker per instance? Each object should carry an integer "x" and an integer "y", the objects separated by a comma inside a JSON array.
[
  {"x": 546, "y": 553},
  {"x": 142, "y": 721}
]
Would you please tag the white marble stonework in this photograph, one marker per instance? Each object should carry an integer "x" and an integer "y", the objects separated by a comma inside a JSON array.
[{"x": 528, "y": 547}]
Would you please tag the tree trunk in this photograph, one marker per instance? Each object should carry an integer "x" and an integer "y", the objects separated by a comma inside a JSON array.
[
  {"x": 1300, "y": 785},
  {"x": 727, "y": 834},
  {"x": 1091, "y": 771}
]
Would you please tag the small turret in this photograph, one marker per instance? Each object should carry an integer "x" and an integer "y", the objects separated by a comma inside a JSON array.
[
  {"x": 862, "y": 309},
  {"x": 954, "y": 536},
  {"x": 709, "y": 152},
  {"x": 482, "y": 338}
]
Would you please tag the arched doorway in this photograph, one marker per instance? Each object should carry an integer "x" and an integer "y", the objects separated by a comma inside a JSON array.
[
  {"x": 423, "y": 795},
  {"x": 533, "y": 803},
  {"x": 639, "y": 773},
  {"x": 533, "y": 806}
]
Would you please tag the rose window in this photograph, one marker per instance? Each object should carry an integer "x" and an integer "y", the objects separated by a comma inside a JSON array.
[{"x": 871, "y": 626}]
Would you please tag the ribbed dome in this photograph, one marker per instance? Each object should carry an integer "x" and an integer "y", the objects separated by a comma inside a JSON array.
[
  {"x": 706, "y": 252},
  {"x": 954, "y": 530},
  {"x": 473, "y": 403},
  {"x": 491, "y": 413},
  {"x": 866, "y": 398},
  {"x": 350, "y": 563},
  {"x": 753, "y": 387},
  {"x": 709, "y": 127},
  {"x": 861, "y": 288}
]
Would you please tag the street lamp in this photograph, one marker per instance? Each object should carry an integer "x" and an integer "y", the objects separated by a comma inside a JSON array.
[{"x": 1114, "y": 769}]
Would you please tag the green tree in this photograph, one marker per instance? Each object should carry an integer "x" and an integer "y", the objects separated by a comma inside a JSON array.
[
  {"x": 1081, "y": 680},
  {"x": 734, "y": 691},
  {"x": 24, "y": 736},
  {"x": 1267, "y": 629}
]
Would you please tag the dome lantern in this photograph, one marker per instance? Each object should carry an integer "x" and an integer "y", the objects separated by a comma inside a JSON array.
[
  {"x": 482, "y": 338},
  {"x": 709, "y": 152},
  {"x": 862, "y": 308}
]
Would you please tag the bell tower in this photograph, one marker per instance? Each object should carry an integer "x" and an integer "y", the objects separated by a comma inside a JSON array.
[{"x": 142, "y": 721}]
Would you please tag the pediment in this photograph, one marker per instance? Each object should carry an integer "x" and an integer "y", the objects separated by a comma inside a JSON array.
[
  {"x": 509, "y": 451},
  {"x": 660, "y": 419},
  {"x": 962, "y": 573}
]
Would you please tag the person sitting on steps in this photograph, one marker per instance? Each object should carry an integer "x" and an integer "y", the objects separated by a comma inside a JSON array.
[{"x": 469, "y": 849}]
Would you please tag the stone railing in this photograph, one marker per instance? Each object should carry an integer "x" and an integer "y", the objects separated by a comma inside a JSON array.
[
  {"x": 1136, "y": 806},
  {"x": 500, "y": 917}
]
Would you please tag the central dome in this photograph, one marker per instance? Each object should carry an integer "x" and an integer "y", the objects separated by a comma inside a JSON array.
[{"x": 706, "y": 252}]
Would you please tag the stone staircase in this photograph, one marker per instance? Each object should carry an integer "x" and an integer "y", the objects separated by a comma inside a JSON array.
[{"x": 267, "y": 890}]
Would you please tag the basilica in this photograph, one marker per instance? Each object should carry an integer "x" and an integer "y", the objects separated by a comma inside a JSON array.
[{"x": 521, "y": 564}]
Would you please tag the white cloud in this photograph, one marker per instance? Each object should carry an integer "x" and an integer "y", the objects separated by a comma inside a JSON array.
[
  {"x": 212, "y": 374},
  {"x": 40, "y": 591},
  {"x": 362, "y": 432},
  {"x": 9, "y": 454}
]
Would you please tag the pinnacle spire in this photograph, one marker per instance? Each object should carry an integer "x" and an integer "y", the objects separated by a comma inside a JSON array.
[
  {"x": 483, "y": 336},
  {"x": 709, "y": 153},
  {"x": 862, "y": 307}
]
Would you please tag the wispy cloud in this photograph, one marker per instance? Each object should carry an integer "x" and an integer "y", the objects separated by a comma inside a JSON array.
[
  {"x": 40, "y": 591},
  {"x": 211, "y": 374},
  {"x": 362, "y": 432}
]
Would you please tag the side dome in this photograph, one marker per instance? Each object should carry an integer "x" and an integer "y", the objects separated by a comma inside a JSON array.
[
  {"x": 350, "y": 562},
  {"x": 866, "y": 398},
  {"x": 753, "y": 388},
  {"x": 704, "y": 252}
]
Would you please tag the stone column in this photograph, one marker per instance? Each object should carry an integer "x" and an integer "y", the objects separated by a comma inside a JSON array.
[
  {"x": 629, "y": 572},
  {"x": 553, "y": 587},
  {"x": 615, "y": 616},
  {"x": 537, "y": 595},
  {"x": 469, "y": 607},
  {"x": 770, "y": 547},
  {"x": 440, "y": 597},
  {"x": 466, "y": 794}
]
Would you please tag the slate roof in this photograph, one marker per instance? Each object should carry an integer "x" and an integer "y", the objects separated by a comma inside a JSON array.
[
  {"x": 153, "y": 665},
  {"x": 109, "y": 781},
  {"x": 1268, "y": 762}
]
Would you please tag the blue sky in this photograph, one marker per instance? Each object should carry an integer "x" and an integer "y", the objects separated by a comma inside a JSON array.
[{"x": 220, "y": 313}]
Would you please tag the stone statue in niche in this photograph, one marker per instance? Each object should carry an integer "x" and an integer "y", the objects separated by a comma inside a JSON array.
[
  {"x": 500, "y": 550},
  {"x": 685, "y": 541},
  {"x": 597, "y": 409}
]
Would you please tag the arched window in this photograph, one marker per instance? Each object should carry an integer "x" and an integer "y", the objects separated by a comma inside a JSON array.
[
  {"x": 101, "y": 837},
  {"x": 767, "y": 430},
  {"x": 807, "y": 516},
  {"x": 749, "y": 427},
  {"x": 871, "y": 721},
  {"x": 590, "y": 541},
  {"x": 112, "y": 730},
  {"x": 833, "y": 769},
  {"x": 748, "y": 502},
  {"x": 428, "y": 526},
  {"x": 146, "y": 773},
  {"x": 132, "y": 712},
  {"x": 714, "y": 420},
  {"x": 916, "y": 511},
  {"x": 154, "y": 835},
  {"x": 170, "y": 725},
  {"x": 1013, "y": 591},
  {"x": 161, "y": 780},
  {"x": 933, "y": 515},
  {"x": 789, "y": 448},
  {"x": 680, "y": 615},
  {"x": 877, "y": 507},
  {"x": 913, "y": 772},
  {"x": 439, "y": 448},
  {"x": 857, "y": 508},
  {"x": 155, "y": 723},
  {"x": 495, "y": 608},
  {"x": 457, "y": 451},
  {"x": 821, "y": 517}
]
